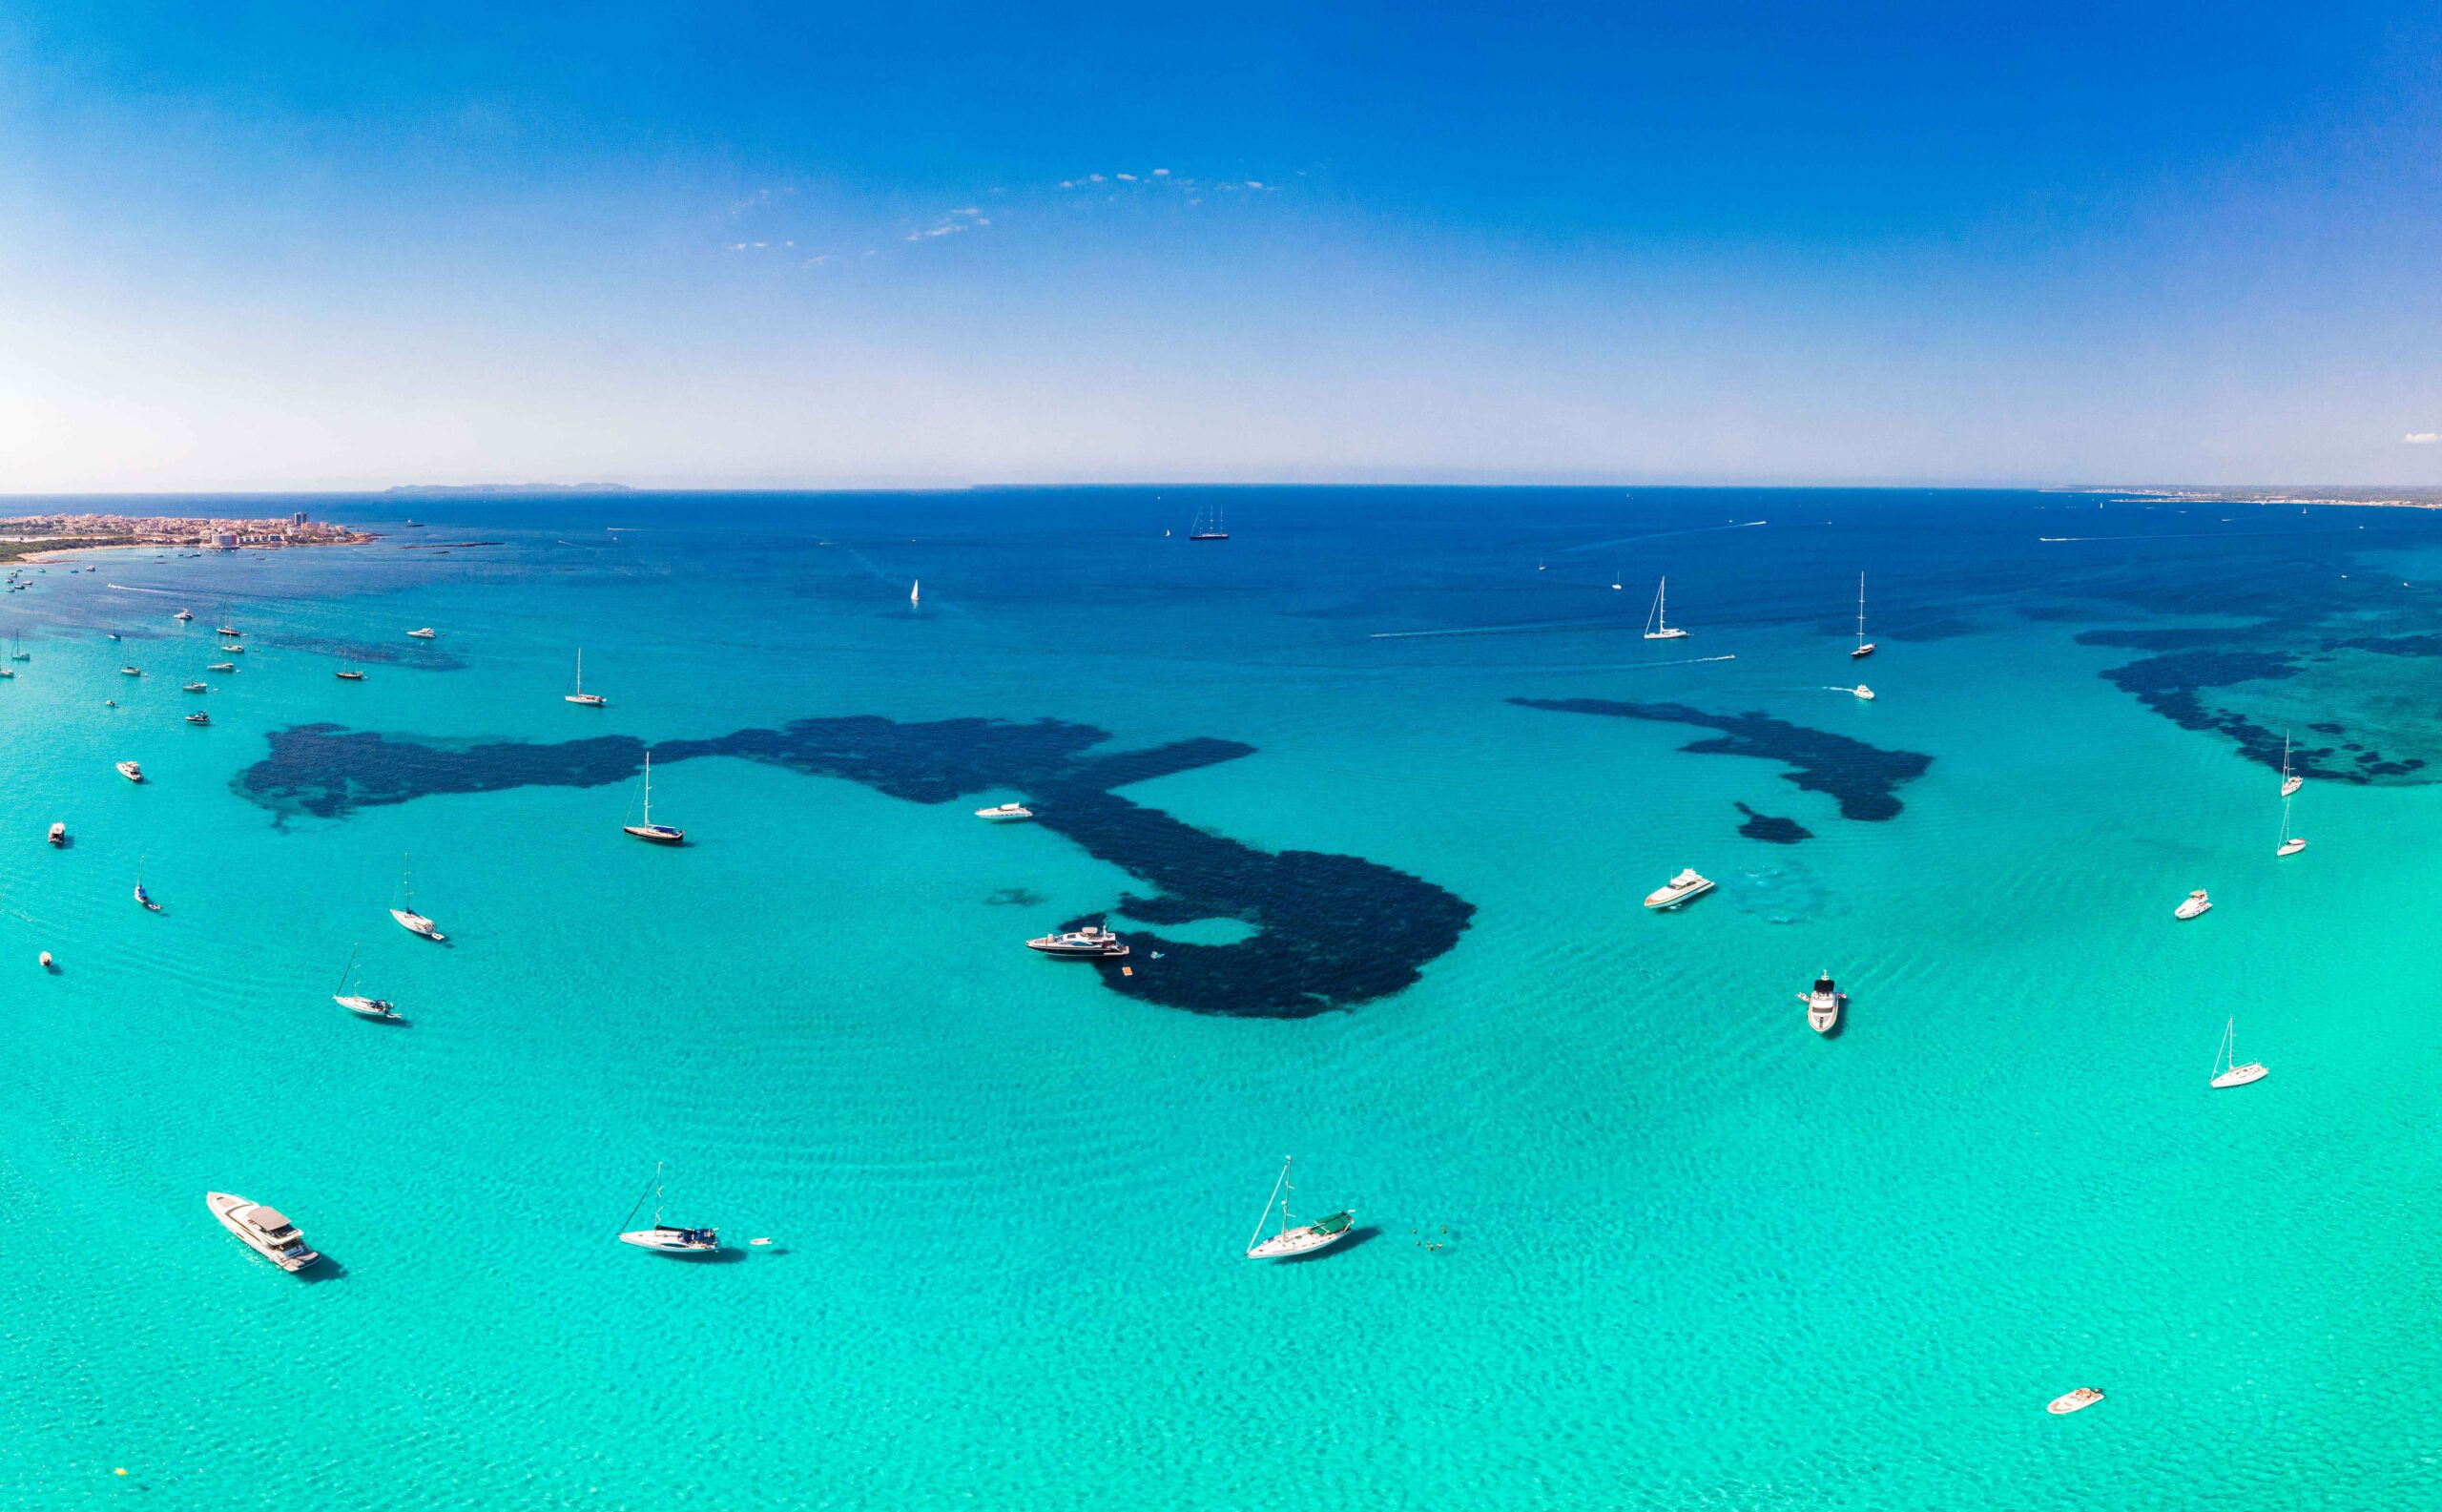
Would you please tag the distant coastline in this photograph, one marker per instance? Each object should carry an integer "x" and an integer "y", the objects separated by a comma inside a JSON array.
[
  {"x": 498, "y": 490},
  {"x": 2296, "y": 493}
]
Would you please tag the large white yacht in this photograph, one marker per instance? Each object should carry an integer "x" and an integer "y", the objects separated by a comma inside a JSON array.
[
  {"x": 266, "y": 1231},
  {"x": 1823, "y": 1005},
  {"x": 1093, "y": 943},
  {"x": 1678, "y": 889},
  {"x": 1005, "y": 814}
]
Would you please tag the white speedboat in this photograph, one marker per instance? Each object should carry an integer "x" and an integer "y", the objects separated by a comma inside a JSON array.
[
  {"x": 576, "y": 694},
  {"x": 426, "y": 634},
  {"x": 1823, "y": 1005},
  {"x": 266, "y": 1231},
  {"x": 1303, "y": 1239},
  {"x": 182, "y": 617},
  {"x": 198, "y": 717},
  {"x": 2196, "y": 903},
  {"x": 2226, "y": 1069},
  {"x": 1678, "y": 889},
  {"x": 1090, "y": 943},
  {"x": 664, "y": 1239},
  {"x": 59, "y": 834},
  {"x": 1865, "y": 694},
  {"x": 1657, "y": 625},
  {"x": 2069, "y": 1401},
  {"x": 1005, "y": 812},
  {"x": 131, "y": 771}
]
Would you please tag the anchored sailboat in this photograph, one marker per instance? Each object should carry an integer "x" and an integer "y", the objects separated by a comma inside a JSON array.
[
  {"x": 1864, "y": 647},
  {"x": 1304, "y": 1238},
  {"x": 2290, "y": 844},
  {"x": 362, "y": 1007},
  {"x": 1657, "y": 623},
  {"x": 413, "y": 922},
  {"x": 658, "y": 834},
  {"x": 576, "y": 692},
  {"x": 1210, "y": 529},
  {"x": 2291, "y": 781},
  {"x": 2226, "y": 1069},
  {"x": 662, "y": 1238}
]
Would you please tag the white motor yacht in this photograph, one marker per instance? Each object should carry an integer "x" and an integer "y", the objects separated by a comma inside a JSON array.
[
  {"x": 2196, "y": 903},
  {"x": 59, "y": 834},
  {"x": 131, "y": 771},
  {"x": 266, "y": 1231},
  {"x": 2069, "y": 1401},
  {"x": 1865, "y": 694},
  {"x": 1005, "y": 812},
  {"x": 426, "y": 634},
  {"x": 222, "y": 665},
  {"x": 182, "y": 617},
  {"x": 1823, "y": 1005},
  {"x": 1090, "y": 943},
  {"x": 1678, "y": 889}
]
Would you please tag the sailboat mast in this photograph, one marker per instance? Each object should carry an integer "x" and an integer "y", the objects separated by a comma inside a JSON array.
[
  {"x": 648, "y": 790},
  {"x": 1861, "y": 608},
  {"x": 1286, "y": 1188}
]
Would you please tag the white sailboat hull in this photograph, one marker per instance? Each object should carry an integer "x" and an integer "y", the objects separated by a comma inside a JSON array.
[
  {"x": 1666, "y": 634},
  {"x": 416, "y": 925},
  {"x": 2241, "y": 1075}
]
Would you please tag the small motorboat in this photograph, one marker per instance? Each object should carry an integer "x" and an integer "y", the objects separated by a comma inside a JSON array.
[
  {"x": 194, "y": 687},
  {"x": 113, "y": 635},
  {"x": 426, "y": 634},
  {"x": 2079, "y": 1400},
  {"x": 46, "y": 961},
  {"x": 1864, "y": 694},
  {"x": 2197, "y": 903},
  {"x": 1005, "y": 812},
  {"x": 266, "y": 1231},
  {"x": 182, "y": 617},
  {"x": 232, "y": 648},
  {"x": 1093, "y": 943},
  {"x": 1687, "y": 884},
  {"x": 131, "y": 671},
  {"x": 131, "y": 771},
  {"x": 222, "y": 665},
  {"x": 1823, "y": 1005},
  {"x": 59, "y": 834},
  {"x": 198, "y": 717},
  {"x": 8, "y": 672}
]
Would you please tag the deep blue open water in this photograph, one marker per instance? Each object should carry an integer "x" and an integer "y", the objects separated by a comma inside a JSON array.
[{"x": 1374, "y": 788}]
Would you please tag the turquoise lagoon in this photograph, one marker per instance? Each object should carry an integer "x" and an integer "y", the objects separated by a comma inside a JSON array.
[{"x": 1630, "y": 1235}]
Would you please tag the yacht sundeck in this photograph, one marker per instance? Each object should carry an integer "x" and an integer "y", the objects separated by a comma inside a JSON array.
[
  {"x": 1093, "y": 943},
  {"x": 1678, "y": 889},
  {"x": 1823, "y": 1005},
  {"x": 266, "y": 1231},
  {"x": 1005, "y": 812}
]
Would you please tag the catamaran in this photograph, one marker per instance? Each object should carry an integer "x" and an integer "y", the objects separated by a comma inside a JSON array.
[
  {"x": 1657, "y": 623},
  {"x": 2226, "y": 1069},
  {"x": 1303, "y": 1239},
  {"x": 413, "y": 922},
  {"x": 1864, "y": 647},
  {"x": 362, "y": 1007},
  {"x": 658, "y": 834},
  {"x": 2291, "y": 781},
  {"x": 664, "y": 1239},
  {"x": 576, "y": 692}
]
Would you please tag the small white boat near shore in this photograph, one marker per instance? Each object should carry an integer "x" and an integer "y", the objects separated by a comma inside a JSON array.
[
  {"x": 2196, "y": 903},
  {"x": 2069, "y": 1401}
]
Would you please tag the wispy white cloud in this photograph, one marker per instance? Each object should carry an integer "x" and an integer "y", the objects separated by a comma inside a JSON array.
[
  {"x": 971, "y": 218},
  {"x": 2422, "y": 437}
]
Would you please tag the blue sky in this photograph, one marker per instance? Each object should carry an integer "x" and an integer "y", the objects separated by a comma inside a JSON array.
[{"x": 271, "y": 246}]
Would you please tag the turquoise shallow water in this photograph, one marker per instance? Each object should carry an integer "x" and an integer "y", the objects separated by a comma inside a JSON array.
[{"x": 1692, "y": 1256}]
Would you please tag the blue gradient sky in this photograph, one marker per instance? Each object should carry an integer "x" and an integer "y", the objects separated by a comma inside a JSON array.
[{"x": 262, "y": 245}]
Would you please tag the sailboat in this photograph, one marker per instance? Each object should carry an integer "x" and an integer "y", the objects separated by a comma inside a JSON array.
[
  {"x": 2290, "y": 844},
  {"x": 2226, "y": 1069},
  {"x": 413, "y": 922},
  {"x": 662, "y": 1238},
  {"x": 2291, "y": 781},
  {"x": 658, "y": 834},
  {"x": 1208, "y": 530},
  {"x": 349, "y": 670},
  {"x": 576, "y": 692},
  {"x": 362, "y": 1007},
  {"x": 1657, "y": 626},
  {"x": 1303, "y": 1239},
  {"x": 141, "y": 895},
  {"x": 1864, "y": 647},
  {"x": 915, "y": 594},
  {"x": 17, "y": 651}
]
